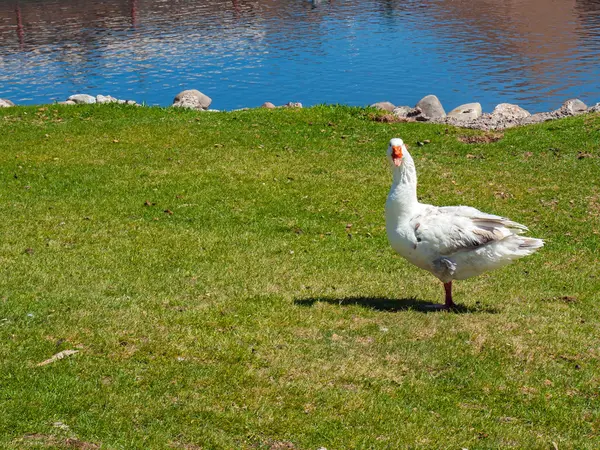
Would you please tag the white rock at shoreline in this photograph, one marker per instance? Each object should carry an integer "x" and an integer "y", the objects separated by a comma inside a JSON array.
[
  {"x": 469, "y": 111},
  {"x": 595, "y": 108},
  {"x": 431, "y": 107},
  {"x": 572, "y": 107},
  {"x": 508, "y": 111},
  {"x": 384, "y": 106},
  {"x": 193, "y": 99},
  {"x": 81, "y": 99},
  {"x": 4, "y": 103},
  {"x": 105, "y": 99},
  {"x": 405, "y": 112}
]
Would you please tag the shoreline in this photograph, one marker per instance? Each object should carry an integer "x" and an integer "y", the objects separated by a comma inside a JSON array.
[{"x": 428, "y": 109}]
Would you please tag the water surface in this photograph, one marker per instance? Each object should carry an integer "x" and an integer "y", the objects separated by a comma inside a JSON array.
[{"x": 536, "y": 53}]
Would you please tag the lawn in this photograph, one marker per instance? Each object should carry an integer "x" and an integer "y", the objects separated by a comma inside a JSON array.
[{"x": 227, "y": 282}]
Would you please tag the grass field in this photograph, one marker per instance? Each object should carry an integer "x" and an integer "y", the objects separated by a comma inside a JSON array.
[{"x": 227, "y": 282}]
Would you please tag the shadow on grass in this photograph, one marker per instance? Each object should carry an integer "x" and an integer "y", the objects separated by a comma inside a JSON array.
[{"x": 393, "y": 304}]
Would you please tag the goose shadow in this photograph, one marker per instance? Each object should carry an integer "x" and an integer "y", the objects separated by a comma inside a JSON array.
[{"x": 394, "y": 304}]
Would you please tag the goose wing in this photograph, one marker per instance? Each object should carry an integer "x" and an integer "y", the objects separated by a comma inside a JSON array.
[{"x": 451, "y": 229}]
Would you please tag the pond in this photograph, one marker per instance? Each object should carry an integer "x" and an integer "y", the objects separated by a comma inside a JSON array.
[{"x": 535, "y": 53}]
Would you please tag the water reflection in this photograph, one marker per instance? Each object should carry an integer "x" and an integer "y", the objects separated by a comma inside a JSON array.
[{"x": 242, "y": 53}]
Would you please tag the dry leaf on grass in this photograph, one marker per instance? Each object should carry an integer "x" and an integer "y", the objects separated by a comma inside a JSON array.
[
  {"x": 549, "y": 203},
  {"x": 502, "y": 194},
  {"x": 59, "y": 355},
  {"x": 583, "y": 155}
]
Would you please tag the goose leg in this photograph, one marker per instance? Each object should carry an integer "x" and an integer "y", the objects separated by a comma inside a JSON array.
[{"x": 449, "y": 303}]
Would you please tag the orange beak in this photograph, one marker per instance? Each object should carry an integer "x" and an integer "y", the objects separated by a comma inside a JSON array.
[{"x": 397, "y": 155}]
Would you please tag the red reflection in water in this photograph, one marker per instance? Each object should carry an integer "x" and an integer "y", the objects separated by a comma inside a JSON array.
[
  {"x": 134, "y": 12},
  {"x": 20, "y": 32}
]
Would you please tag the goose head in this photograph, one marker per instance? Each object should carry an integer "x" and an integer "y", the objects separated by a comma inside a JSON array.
[{"x": 396, "y": 152}]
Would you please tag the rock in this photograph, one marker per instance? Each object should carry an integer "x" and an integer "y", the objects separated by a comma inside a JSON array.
[
  {"x": 572, "y": 107},
  {"x": 268, "y": 105},
  {"x": 406, "y": 112},
  {"x": 469, "y": 111},
  {"x": 506, "y": 116},
  {"x": 507, "y": 111},
  {"x": 431, "y": 107},
  {"x": 66, "y": 102},
  {"x": 539, "y": 118},
  {"x": 293, "y": 105},
  {"x": 384, "y": 106},
  {"x": 82, "y": 99},
  {"x": 121, "y": 102},
  {"x": 130, "y": 102},
  {"x": 4, "y": 103},
  {"x": 105, "y": 99},
  {"x": 192, "y": 99}
]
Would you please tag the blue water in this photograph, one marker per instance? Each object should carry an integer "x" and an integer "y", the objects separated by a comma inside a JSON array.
[{"x": 242, "y": 53}]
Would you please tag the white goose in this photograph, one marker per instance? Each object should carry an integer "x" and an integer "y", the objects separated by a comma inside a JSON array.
[{"x": 452, "y": 242}]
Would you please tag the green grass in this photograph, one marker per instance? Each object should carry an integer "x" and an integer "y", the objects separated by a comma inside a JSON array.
[{"x": 265, "y": 309}]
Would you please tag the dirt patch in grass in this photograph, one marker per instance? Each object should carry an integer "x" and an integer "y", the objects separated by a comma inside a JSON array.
[
  {"x": 594, "y": 205},
  {"x": 387, "y": 118},
  {"x": 185, "y": 446},
  {"x": 563, "y": 299},
  {"x": 280, "y": 445},
  {"x": 485, "y": 138},
  {"x": 46, "y": 440}
]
